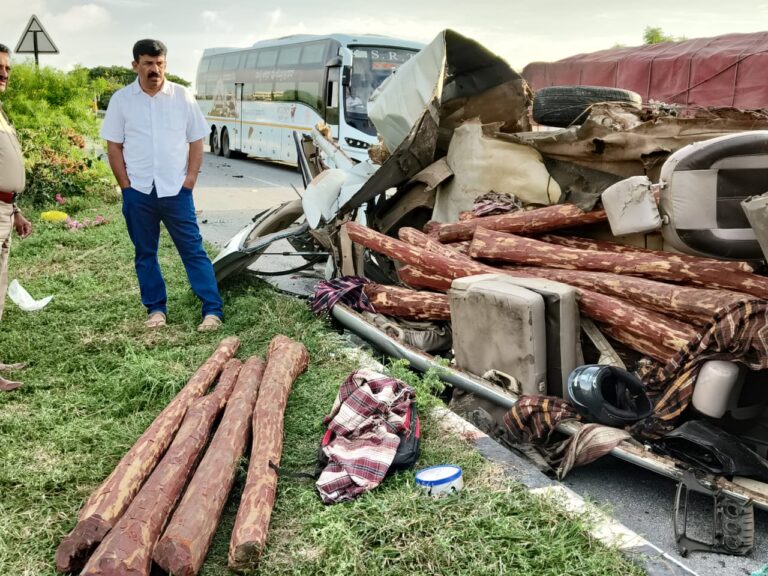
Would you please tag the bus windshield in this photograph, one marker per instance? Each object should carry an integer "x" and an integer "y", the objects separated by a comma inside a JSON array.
[{"x": 371, "y": 65}]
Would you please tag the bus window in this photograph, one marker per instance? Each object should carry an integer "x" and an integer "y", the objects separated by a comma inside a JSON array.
[
  {"x": 289, "y": 56},
  {"x": 309, "y": 93},
  {"x": 285, "y": 91},
  {"x": 267, "y": 58},
  {"x": 216, "y": 63},
  {"x": 250, "y": 61},
  {"x": 231, "y": 61},
  {"x": 314, "y": 53},
  {"x": 371, "y": 65}
]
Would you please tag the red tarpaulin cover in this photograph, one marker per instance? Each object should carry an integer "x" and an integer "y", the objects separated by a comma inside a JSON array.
[{"x": 727, "y": 70}]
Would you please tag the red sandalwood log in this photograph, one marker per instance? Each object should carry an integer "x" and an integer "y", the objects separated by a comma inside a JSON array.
[
  {"x": 108, "y": 502},
  {"x": 286, "y": 359},
  {"x": 450, "y": 251},
  {"x": 418, "y": 278},
  {"x": 605, "y": 246},
  {"x": 182, "y": 548},
  {"x": 692, "y": 305},
  {"x": 649, "y": 333},
  {"x": 507, "y": 247},
  {"x": 530, "y": 222},
  {"x": 127, "y": 549},
  {"x": 460, "y": 266},
  {"x": 450, "y": 266},
  {"x": 645, "y": 331},
  {"x": 408, "y": 304}
]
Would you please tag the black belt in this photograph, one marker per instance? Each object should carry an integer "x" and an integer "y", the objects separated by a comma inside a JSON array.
[{"x": 7, "y": 197}]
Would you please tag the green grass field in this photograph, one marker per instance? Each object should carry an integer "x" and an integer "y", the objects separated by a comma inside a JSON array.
[{"x": 96, "y": 379}]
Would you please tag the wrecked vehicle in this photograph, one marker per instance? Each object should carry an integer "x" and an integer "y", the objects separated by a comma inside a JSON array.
[{"x": 634, "y": 240}]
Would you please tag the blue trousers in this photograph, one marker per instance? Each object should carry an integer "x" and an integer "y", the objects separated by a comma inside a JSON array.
[{"x": 143, "y": 214}]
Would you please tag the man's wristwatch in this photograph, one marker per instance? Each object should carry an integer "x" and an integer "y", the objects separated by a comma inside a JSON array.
[{"x": 15, "y": 210}]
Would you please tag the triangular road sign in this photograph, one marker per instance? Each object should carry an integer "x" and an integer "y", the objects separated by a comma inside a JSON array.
[{"x": 35, "y": 40}]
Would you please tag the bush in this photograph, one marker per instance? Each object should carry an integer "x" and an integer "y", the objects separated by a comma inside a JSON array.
[{"x": 55, "y": 115}]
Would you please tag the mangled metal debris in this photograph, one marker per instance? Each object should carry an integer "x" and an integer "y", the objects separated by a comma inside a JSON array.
[{"x": 657, "y": 280}]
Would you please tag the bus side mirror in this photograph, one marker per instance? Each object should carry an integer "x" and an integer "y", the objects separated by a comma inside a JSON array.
[
  {"x": 346, "y": 75},
  {"x": 333, "y": 62}
]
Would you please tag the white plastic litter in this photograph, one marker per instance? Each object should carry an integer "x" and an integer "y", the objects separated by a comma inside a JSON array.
[{"x": 23, "y": 300}]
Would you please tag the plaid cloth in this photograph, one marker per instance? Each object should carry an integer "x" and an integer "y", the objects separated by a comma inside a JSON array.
[
  {"x": 494, "y": 203},
  {"x": 347, "y": 290},
  {"x": 590, "y": 442},
  {"x": 738, "y": 332},
  {"x": 534, "y": 418},
  {"x": 369, "y": 412}
]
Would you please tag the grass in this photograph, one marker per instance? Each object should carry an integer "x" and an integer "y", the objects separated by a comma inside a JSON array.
[{"x": 96, "y": 379}]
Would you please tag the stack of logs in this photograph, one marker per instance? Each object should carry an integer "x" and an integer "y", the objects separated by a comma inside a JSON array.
[
  {"x": 119, "y": 529},
  {"x": 653, "y": 302}
]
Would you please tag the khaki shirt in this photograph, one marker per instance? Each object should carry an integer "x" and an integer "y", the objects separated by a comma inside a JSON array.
[{"x": 12, "y": 177}]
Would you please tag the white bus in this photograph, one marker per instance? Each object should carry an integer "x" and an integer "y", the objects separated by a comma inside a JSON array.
[{"x": 254, "y": 98}]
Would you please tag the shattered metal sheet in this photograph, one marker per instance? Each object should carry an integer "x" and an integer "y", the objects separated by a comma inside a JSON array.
[{"x": 415, "y": 111}]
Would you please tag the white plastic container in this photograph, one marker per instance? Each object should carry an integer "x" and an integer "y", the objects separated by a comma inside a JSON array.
[
  {"x": 440, "y": 480},
  {"x": 715, "y": 386}
]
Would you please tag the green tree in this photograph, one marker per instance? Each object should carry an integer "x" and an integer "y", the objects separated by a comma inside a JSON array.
[
  {"x": 655, "y": 35},
  {"x": 54, "y": 113}
]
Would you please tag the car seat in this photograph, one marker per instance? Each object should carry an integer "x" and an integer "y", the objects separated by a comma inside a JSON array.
[{"x": 703, "y": 185}]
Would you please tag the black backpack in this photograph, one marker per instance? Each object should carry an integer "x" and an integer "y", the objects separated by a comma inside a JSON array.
[{"x": 406, "y": 456}]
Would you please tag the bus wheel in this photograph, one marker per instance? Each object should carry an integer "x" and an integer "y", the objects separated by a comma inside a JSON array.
[
  {"x": 226, "y": 151},
  {"x": 214, "y": 142}
]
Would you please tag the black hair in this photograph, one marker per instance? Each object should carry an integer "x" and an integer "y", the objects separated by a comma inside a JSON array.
[
  {"x": 5, "y": 49},
  {"x": 148, "y": 47}
]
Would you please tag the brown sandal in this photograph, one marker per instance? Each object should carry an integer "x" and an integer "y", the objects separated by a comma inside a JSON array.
[
  {"x": 8, "y": 385},
  {"x": 156, "y": 320},
  {"x": 210, "y": 323}
]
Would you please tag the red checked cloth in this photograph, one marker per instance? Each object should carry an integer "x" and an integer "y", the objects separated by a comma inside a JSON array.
[{"x": 369, "y": 412}]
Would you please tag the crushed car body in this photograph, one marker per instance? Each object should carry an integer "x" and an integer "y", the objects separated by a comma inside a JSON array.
[{"x": 628, "y": 240}]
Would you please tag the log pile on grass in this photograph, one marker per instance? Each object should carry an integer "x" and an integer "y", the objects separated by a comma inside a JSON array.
[{"x": 119, "y": 529}]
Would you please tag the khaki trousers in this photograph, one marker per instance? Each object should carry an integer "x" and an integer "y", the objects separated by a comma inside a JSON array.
[{"x": 6, "y": 228}]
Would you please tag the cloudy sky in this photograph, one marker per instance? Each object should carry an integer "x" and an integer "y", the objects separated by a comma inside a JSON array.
[{"x": 101, "y": 32}]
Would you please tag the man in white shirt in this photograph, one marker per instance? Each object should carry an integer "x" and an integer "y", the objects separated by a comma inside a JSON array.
[{"x": 154, "y": 131}]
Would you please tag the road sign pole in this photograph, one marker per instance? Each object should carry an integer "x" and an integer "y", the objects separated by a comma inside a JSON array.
[{"x": 34, "y": 41}]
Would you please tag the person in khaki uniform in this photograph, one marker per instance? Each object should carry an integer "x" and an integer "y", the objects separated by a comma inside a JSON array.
[{"x": 12, "y": 182}]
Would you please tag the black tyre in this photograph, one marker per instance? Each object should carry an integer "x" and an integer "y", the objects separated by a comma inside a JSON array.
[
  {"x": 214, "y": 142},
  {"x": 563, "y": 106},
  {"x": 226, "y": 151}
]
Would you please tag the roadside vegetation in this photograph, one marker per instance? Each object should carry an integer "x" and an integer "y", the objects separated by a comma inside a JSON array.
[
  {"x": 96, "y": 379},
  {"x": 55, "y": 115}
]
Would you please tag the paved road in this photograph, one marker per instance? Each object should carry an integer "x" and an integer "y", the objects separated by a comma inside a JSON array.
[{"x": 230, "y": 192}]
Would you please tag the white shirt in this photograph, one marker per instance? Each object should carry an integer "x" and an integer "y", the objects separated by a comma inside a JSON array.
[{"x": 155, "y": 132}]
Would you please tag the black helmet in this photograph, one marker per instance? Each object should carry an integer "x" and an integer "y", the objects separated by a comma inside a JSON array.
[{"x": 608, "y": 395}]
